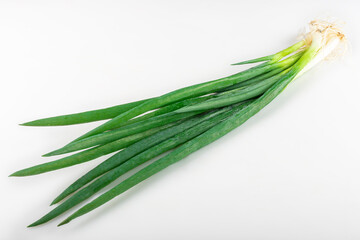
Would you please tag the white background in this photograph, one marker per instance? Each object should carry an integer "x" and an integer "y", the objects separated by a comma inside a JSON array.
[{"x": 291, "y": 172}]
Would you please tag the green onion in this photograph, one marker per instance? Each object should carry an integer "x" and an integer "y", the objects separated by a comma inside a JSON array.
[{"x": 175, "y": 124}]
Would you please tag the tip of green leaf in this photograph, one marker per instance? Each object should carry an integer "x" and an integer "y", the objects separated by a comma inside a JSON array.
[
  {"x": 29, "y": 124},
  {"x": 16, "y": 174},
  {"x": 23, "y": 173},
  {"x": 34, "y": 224},
  {"x": 188, "y": 109},
  {"x": 59, "y": 198},
  {"x": 64, "y": 222},
  {"x": 47, "y": 154},
  {"x": 243, "y": 63},
  {"x": 54, "y": 202},
  {"x": 182, "y": 110},
  {"x": 54, "y": 153},
  {"x": 256, "y": 60}
]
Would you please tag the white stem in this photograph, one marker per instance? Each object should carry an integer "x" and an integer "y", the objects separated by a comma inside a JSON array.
[{"x": 321, "y": 55}]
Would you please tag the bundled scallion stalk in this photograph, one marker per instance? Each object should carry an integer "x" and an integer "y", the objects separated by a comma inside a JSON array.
[{"x": 177, "y": 123}]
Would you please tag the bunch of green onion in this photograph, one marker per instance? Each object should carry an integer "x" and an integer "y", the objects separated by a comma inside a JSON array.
[{"x": 177, "y": 123}]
